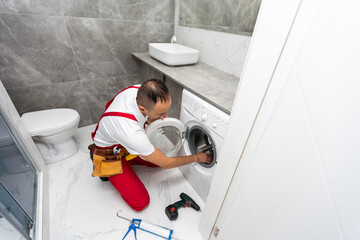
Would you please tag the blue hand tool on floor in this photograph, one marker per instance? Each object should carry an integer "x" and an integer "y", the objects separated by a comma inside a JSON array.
[{"x": 148, "y": 227}]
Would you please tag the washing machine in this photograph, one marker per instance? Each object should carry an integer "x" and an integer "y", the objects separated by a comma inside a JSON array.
[
  {"x": 201, "y": 127},
  {"x": 205, "y": 126}
]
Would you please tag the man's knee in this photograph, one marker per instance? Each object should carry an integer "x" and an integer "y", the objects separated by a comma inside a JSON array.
[
  {"x": 140, "y": 203},
  {"x": 132, "y": 190}
]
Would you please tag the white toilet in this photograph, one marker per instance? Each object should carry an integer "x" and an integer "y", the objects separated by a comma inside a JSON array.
[{"x": 52, "y": 131}]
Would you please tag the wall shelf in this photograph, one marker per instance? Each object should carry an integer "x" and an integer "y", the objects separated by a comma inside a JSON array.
[{"x": 211, "y": 84}]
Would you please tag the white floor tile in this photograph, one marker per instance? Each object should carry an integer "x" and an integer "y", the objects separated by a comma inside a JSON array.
[{"x": 84, "y": 207}]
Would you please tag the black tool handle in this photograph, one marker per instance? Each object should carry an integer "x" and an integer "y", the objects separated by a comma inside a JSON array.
[{"x": 171, "y": 212}]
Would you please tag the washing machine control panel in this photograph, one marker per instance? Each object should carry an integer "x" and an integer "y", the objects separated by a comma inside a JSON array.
[
  {"x": 209, "y": 115},
  {"x": 204, "y": 117}
]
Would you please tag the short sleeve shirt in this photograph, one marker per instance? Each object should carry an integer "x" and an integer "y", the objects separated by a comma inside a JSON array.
[{"x": 130, "y": 134}]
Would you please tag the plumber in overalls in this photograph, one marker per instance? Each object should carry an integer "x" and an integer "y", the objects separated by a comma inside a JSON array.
[{"x": 120, "y": 136}]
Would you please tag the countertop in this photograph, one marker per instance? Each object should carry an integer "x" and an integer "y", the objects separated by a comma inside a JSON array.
[{"x": 211, "y": 84}]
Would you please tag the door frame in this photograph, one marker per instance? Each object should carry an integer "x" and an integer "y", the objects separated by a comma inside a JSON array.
[
  {"x": 267, "y": 45},
  {"x": 300, "y": 21}
]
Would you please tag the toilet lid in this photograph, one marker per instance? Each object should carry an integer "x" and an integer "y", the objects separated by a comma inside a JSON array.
[
  {"x": 50, "y": 121},
  {"x": 167, "y": 135}
]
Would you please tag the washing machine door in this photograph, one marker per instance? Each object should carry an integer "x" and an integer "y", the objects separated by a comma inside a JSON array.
[{"x": 167, "y": 135}]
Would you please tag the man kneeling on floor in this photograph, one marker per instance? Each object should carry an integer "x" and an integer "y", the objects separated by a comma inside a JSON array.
[{"x": 120, "y": 140}]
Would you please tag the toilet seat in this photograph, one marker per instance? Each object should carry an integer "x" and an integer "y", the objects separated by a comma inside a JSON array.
[{"x": 51, "y": 121}]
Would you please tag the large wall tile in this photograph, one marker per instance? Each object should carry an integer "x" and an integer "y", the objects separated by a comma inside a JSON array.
[
  {"x": 111, "y": 9},
  {"x": 161, "y": 11},
  {"x": 103, "y": 47},
  {"x": 83, "y": 46},
  {"x": 95, "y": 56},
  {"x": 135, "y": 79},
  {"x": 35, "y": 50},
  {"x": 57, "y": 95},
  {"x": 44, "y": 7},
  {"x": 135, "y": 10},
  {"x": 100, "y": 91},
  {"x": 140, "y": 34},
  {"x": 124, "y": 37},
  {"x": 158, "y": 32}
]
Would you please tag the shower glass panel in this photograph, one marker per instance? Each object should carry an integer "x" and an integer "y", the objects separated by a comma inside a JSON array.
[
  {"x": 18, "y": 180},
  {"x": 8, "y": 231}
]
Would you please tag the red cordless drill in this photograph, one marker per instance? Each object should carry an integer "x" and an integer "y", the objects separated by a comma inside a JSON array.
[{"x": 186, "y": 201}]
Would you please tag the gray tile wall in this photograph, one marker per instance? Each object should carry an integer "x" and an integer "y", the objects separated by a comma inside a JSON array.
[{"x": 76, "y": 53}]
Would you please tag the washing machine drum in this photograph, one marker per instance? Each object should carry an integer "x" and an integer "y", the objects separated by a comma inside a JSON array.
[
  {"x": 200, "y": 140},
  {"x": 167, "y": 135}
]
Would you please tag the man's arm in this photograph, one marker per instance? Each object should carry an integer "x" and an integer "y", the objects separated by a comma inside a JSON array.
[{"x": 160, "y": 159}]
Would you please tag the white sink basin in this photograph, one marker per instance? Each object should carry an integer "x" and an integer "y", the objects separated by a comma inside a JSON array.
[{"x": 173, "y": 54}]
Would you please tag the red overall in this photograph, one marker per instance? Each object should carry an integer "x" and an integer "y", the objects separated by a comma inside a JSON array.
[{"x": 128, "y": 184}]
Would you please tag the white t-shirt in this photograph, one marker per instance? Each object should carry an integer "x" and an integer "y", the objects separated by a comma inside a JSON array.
[{"x": 130, "y": 134}]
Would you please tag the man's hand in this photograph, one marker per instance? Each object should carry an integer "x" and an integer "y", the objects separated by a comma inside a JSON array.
[
  {"x": 159, "y": 158},
  {"x": 204, "y": 158}
]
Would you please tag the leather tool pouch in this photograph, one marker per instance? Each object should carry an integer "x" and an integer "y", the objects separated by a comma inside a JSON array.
[
  {"x": 105, "y": 164},
  {"x": 104, "y": 167}
]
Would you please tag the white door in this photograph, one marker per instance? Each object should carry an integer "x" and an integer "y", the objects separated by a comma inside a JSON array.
[{"x": 298, "y": 177}]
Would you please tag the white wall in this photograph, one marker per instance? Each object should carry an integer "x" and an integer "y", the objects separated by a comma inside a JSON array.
[
  {"x": 248, "y": 99},
  {"x": 224, "y": 51},
  {"x": 298, "y": 177}
]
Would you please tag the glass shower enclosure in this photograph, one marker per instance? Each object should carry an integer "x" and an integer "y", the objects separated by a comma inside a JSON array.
[
  {"x": 18, "y": 186},
  {"x": 24, "y": 182}
]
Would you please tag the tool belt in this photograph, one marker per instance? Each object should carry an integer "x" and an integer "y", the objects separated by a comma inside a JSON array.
[{"x": 108, "y": 162}]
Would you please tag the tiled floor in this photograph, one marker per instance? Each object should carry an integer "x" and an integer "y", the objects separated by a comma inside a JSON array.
[{"x": 84, "y": 207}]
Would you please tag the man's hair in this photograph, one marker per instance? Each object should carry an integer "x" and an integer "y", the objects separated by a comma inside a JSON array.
[{"x": 151, "y": 92}]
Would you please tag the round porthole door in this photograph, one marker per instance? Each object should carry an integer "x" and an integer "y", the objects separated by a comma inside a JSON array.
[
  {"x": 167, "y": 135},
  {"x": 200, "y": 140}
]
